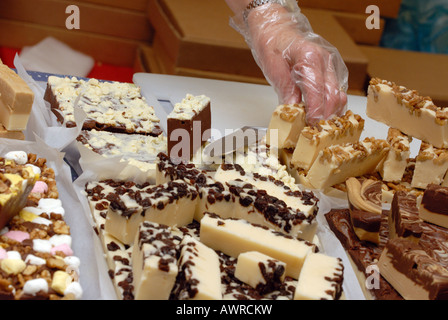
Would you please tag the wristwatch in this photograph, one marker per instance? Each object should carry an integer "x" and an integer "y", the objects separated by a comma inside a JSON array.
[{"x": 254, "y": 4}]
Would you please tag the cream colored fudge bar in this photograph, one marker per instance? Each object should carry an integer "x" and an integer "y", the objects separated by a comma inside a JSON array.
[
  {"x": 292, "y": 195},
  {"x": 287, "y": 121},
  {"x": 430, "y": 167},
  {"x": 260, "y": 271},
  {"x": 394, "y": 165},
  {"x": 337, "y": 163},
  {"x": 321, "y": 278},
  {"x": 406, "y": 110},
  {"x": 36, "y": 258},
  {"x": 154, "y": 262},
  {"x": 17, "y": 135},
  {"x": 110, "y": 106},
  {"x": 299, "y": 174},
  {"x": 12, "y": 120},
  {"x": 199, "y": 272},
  {"x": 403, "y": 218},
  {"x": 412, "y": 272},
  {"x": 172, "y": 204},
  {"x": 313, "y": 139},
  {"x": 235, "y": 236},
  {"x": 434, "y": 204},
  {"x": 365, "y": 206}
]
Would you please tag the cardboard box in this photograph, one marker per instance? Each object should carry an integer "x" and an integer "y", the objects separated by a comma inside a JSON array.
[
  {"x": 208, "y": 44},
  {"x": 388, "y": 8},
  {"x": 102, "y": 48},
  {"x": 122, "y": 23},
  {"x": 424, "y": 72}
]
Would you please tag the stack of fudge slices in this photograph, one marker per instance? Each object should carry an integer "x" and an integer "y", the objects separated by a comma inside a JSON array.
[
  {"x": 401, "y": 252},
  {"x": 229, "y": 234},
  {"x": 36, "y": 258},
  {"x": 119, "y": 120},
  {"x": 16, "y": 101}
]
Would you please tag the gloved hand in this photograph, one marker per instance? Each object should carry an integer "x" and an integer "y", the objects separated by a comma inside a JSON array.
[{"x": 298, "y": 63}]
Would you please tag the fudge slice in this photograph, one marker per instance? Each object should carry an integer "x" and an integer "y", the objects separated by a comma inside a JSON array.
[
  {"x": 404, "y": 220},
  {"x": 154, "y": 261},
  {"x": 338, "y": 162},
  {"x": 321, "y": 278},
  {"x": 433, "y": 207},
  {"x": 394, "y": 165},
  {"x": 365, "y": 205},
  {"x": 16, "y": 100},
  {"x": 110, "y": 106},
  {"x": 287, "y": 121},
  {"x": 199, "y": 272},
  {"x": 172, "y": 203},
  {"x": 407, "y": 111},
  {"x": 412, "y": 272},
  {"x": 16, "y": 183},
  {"x": 235, "y": 236},
  {"x": 189, "y": 125},
  {"x": 430, "y": 167},
  {"x": 313, "y": 139}
]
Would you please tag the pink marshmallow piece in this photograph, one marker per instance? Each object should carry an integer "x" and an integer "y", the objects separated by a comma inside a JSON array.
[
  {"x": 40, "y": 187},
  {"x": 3, "y": 254},
  {"x": 64, "y": 248},
  {"x": 18, "y": 236}
]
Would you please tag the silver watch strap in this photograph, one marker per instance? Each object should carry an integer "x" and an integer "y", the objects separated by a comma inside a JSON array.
[{"x": 254, "y": 4}]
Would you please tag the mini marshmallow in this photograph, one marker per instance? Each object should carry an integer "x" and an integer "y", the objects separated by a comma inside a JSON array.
[
  {"x": 73, "y": 262},
  {"x": 40, "y": 245},
  {"x": 33, "y": 286},
  {"x": 34, "y": 260},
  {"x": 64, "y": 248},
  {"x": 40, "y": 187},
  {"x": 37, "y": 171},
  {"x": 19, "y": 157},
  {"x": 13, "y": 255},
  {"x": 59, "y": 239},
  {"x": 3, "y": 253},
  {"x": 12, "y": 266},
  {"x": 75, "y": 289},
  {"x": 18, "y": 236}
]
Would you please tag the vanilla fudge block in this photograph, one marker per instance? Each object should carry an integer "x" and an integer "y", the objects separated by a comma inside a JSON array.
[
  {"x": 110, "y": 106},
  {"x": 189, "y": 125},
  {"x": 404, "y": 220},
  {"x": 292, "y": 195},
  {"x": 16, "y": 183},
  {"x": 287, "y": 121},
  {"x": 260, "y": 271},
  {"x": 430, "y": 167},
  {"x": 154, "y": 262},
  {"x": 12, "y": 120},
  {"x": 394, "y": 165},
  {"x": 168, "y": 169},
  {"x": 235, "y": 236},
  {"x": 406, "y": 110},
  {"x": 365, "y": 206},
  {"x": 338, "y": 162},
  {"x": 172, "y": 204},
  {"x": 313, "y": 139},
  {"x": 298, "y": 174},
  {"x": 433, "y": 207},
  {"x": 199, "y": 272},
  {"x": 259, "y": 207},
  {"x": 17, "y": 135},
  {"x": 412, "y": 272},
  {"x": 14, "y": 91},
  {"x": 321, "y": 278}
]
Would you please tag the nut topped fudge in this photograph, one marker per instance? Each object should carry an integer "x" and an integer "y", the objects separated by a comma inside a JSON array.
[{"x": 110, "y": 106}]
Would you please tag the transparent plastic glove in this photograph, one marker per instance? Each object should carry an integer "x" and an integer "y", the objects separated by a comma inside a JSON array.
[{"x": 299, "y": 64}]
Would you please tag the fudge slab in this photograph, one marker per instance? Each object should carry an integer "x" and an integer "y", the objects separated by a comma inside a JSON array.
[
  {"x": 434, "y": 205},
  {"x": 394, "y": 165},
  {"x": 14, "y": 91}
]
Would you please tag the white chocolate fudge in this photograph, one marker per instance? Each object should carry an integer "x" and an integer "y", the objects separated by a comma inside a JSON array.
[
  {"x": 287, "y": 121},
  {"x": 110, "y": 106},
  {"x": 412, "y": 272},
  {"x": 235, "y": 236},
  {"x": 154, "y": 262},
  {"x": 260, "y": 271},
  {"x": 320, "y": 279},
  {"x": 337, "y": 163},
  {"x": 430, "y": 167},
  {"x": 172, "y": 204},
  {"x": 406, "y": 110},
  {"x": 394, "y": 165},
  {"x": 199, "y": 272},
  {"x": 313, "y": 139}
]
